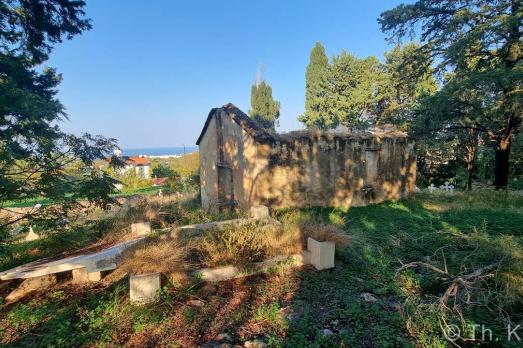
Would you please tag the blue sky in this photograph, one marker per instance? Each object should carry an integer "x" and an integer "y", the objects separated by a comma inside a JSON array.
[{"x": 149, "y": 71}]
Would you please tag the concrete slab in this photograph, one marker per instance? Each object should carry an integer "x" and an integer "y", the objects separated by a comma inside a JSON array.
[
  {"x": 144, "y": 288},
  {"x": 30, "y": 285},
  {"x": 230, "y": 272},
  {"x": 321, "y": 254},
  {"x": 141, "y": 228},
  {"x": 103, "y": 260}
]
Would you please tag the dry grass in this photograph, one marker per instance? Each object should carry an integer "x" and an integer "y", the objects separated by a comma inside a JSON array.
[
  {"x": 254, "y": 243},
  {"x": 156, "y": 255},
  {"x": 325, "y": 232},
  {"x": 245, "y": 244},
  {"x": 162, "y": 212},
  {"x": 180, "y": 252}
]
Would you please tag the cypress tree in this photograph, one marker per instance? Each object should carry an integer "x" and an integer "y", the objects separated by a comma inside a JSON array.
[
  {"x": 264, "y": 109},
  {"x": 315, "y": 84}
]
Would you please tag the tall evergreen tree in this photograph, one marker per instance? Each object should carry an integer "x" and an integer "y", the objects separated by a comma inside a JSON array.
[
  {"x": 38, "y": 159},
  {"x": 481, "y": 43},
  {"x": 355, "y": 91},
  {"x": 264, "y": 109},
  {"x": 410, "y": 77},
  {"x": 316, "y": 77}
]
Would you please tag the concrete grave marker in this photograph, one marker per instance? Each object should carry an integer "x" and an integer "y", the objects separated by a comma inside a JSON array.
[
  {"x": 31, "y": 235},
  {"x": 260, "y": 212},
  {"x": 447, "y": 187},
  {"x": 322, "y": 254},
  {"x": 141, "y": 228},
  {"x": 80, "y": 275},
  {"x": 144, "y": 287}
]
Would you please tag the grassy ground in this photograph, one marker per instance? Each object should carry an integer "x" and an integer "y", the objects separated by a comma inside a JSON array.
[
  {"x": 31, "y": 202},
  {"x": 303, "y": 307}
]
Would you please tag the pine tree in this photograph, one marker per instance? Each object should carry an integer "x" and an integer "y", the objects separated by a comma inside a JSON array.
[
  {"x": 315, "y": 84},
  {"x": 264, "y": 109},
  {"x": 480, "y": 43},
  {"x": 37, "y": 158}
]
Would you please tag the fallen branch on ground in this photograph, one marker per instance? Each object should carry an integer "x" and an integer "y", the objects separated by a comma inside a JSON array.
[{"x": 464, "y": 281}]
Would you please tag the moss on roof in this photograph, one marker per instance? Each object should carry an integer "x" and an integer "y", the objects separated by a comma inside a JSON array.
[{"x": 261, "y": 135}]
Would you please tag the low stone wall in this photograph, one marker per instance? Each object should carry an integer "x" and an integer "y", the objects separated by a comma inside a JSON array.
[{"x": 332, "y": 171}]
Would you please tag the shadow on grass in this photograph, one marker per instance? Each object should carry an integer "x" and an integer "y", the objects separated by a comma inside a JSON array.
[{"x": 305, "y": 308}]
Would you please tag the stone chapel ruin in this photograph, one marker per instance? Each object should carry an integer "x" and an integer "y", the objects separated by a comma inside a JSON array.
[{"x": 242, "y": 165}]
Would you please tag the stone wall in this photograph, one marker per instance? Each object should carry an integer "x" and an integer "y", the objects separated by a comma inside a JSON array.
[
  {"x": 331, "y": 171},
  {"x": 303, "y": 169},
  {"x": 208, "y": 171}
]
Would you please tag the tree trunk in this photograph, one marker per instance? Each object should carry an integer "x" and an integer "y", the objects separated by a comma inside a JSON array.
[
  {"x": 470, "y": 171},
  {"x": 471, "y": 139},
  {"x": 502, "y": 164}
]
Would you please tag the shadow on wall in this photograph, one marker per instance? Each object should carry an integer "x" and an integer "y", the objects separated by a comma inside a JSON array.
[
  {"x": 331, "y": 172},
  {"x": 242, "y": 165}
]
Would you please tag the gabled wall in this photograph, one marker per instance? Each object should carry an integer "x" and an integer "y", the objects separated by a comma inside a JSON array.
[
  {"x": 208, "y": 171},
  {"x": 315, "y": 170}
]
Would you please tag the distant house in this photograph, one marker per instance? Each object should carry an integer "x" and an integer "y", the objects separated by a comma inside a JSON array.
[{"x": 140, "y": 164}]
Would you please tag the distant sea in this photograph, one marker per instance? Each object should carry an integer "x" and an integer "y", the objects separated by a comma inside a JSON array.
[{"x": 159, "y": 151}]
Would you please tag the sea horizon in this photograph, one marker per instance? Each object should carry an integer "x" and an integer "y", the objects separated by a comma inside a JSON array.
[{"x": 174, "y": 151}]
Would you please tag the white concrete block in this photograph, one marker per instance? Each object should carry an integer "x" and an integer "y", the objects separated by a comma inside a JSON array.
[
  {"x": 94, "y": 276},
  {"x": 230, "y": 272},
  {"x": 141, "y": 228},
  {"x": 144, "y": 288},
  {"x": 260, "y": 212},
  {"x": 322, "y": 254},
  {"x": 81, "y": 275}
]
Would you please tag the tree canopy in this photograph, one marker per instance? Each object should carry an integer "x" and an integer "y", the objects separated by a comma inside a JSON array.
[
  {"x": 316, "y": 77},
  {"x": 479, "y": 43},
  {"x": 355, "y": 92},
  {"x": 264, "y": 109},
  {"x": 37, "y": 159}
]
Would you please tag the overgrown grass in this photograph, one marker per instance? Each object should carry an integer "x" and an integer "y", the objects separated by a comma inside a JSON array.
[
  {"x": 461, "y": 233},
  {"x": 107, "y": 228},
  {"x": 306, "y": 308}
]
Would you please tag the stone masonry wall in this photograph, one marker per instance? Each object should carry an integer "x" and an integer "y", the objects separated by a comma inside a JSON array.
[
  {"x": 317, "y": 170},
  {"x": 329, "y": 171}
]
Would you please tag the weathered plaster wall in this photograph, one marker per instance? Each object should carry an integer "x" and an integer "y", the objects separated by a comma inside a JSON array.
[
  {"x": 208, "y": 171},
  {"x": 319, "y": 170},
  {"x": 330, "y": 171}
]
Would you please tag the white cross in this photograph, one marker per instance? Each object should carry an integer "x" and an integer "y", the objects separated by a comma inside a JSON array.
[
  {"x": 447, "y": 187},
  {"x": 432, "y": 188}
]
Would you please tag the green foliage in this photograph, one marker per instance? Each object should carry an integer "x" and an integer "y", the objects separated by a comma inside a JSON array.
[
  {"x": 163, "y": 170},
  {"x": 183, "y": 184},
  {"x": 410, "y": 78},
  {"x": 37, "y": 159},
  {"x": 133, "y": 181},
  {"x": 316, "y": 77},
  {"x": 355, "y": 89},
  {"x": 357, "y": 92},
  {"x": 480, "y": 44},
  {"x": 264, "y": 109}
]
